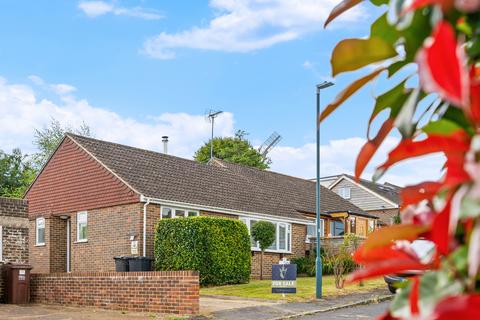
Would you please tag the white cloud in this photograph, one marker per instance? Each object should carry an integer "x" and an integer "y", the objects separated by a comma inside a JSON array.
[
  {"x": 248, "y": 25},
  {"x": 61, "y": 89},
  {"x": 338, "y": 156},
  {"x": 22, "y": 112},
  {"x": 99, "y": 8}
]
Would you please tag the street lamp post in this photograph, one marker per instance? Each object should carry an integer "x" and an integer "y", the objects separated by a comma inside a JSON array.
[{"x": 318, "y": 260}]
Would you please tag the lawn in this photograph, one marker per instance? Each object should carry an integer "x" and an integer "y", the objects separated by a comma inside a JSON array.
[{"x": 305, "y": 289}]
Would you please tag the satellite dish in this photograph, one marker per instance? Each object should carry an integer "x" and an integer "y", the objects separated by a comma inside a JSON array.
[{"x": 269, "y": 144}]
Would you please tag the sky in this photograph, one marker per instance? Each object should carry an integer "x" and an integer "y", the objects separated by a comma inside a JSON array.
[{"x": 135, "y": 71}]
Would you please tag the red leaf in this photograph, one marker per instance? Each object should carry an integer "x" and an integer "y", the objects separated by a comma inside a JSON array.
[
  {"x": 464, "y": 307},
  {"x": 385, "y": 236},
  {"x": 362, "y": 256},
  {"x": 414, "y": 296},
  {"x": 369, "y": 149},
  {"x": 439, "y": 233},
  {"x": 387, "y": 316},
  {"x": 415, "y": 194},
  {"x": 387, "y": 266},
  {"x": 442, "y": 66},
  {"x": 457, "y": 142},
  {"x": 475, "y": 100},
  {"x": 417, "y": 4},
  {"x": 341, "y": 8}
]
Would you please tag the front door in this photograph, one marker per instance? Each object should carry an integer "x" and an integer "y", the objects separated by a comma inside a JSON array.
[{"x": 68, "y": 235}]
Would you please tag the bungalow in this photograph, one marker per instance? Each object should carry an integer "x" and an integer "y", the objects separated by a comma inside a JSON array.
[
  {"x": 382, "y": 200},
  {"x": 94, "y": 200}
]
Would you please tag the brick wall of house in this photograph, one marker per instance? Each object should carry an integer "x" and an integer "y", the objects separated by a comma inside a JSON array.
[
  {"x": 174, "y": 292},
  {"x": 74, "y": 181},
  {"x": 15, "y": 237},
  {"x": 109, "y": 231},
  {"x": 153, "y": 216}
]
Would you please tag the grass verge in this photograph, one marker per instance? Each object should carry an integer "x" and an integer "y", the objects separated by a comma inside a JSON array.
[{"x": 305, "y": 289}]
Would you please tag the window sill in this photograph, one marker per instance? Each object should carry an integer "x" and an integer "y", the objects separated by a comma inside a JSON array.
[
  {"x": 80, "y": 241},
  {"x": 40, "y": 245},
  {"x": 272, "y": 251}
]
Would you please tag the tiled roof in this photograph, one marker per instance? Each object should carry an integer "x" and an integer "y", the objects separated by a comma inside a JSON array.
[{"x": 220, "y": 184}]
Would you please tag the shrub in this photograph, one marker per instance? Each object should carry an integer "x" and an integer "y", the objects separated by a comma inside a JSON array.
[
  {"x": 306, "y": 265},
  {"x": 218, "y": 248}
]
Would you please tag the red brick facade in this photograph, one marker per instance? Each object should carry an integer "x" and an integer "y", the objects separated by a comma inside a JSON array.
[
  {"x": 73, "y": 181},
  {"x": 174, "y": 292},
  {"x": 109, "y": 232}
]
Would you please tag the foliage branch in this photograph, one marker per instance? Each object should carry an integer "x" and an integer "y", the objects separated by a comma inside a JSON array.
[{"x": 432, "y": 49}]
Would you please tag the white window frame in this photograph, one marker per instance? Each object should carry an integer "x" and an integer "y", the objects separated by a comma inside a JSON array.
[
  {"x": 277, "y": 223},
  {"x": 173, "y": 209},
  {"x": 322, "y": 230},
  {"x": 345, "y": 192},
  {"x": 38, "y": 243},
  {"x": 1, "y": 243},
  {"x": 78, "y": 225}
]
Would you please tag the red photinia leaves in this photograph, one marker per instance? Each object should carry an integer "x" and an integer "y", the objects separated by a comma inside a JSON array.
[
  {"x": 369, "y": 149},
  {"x": 415, "y": 296},
  {"x": 341, "y": 8},
  {"x": 385, "y": 236},
  {"x": 442, "y": 66},
  {"x": 439, "y": 233},
  {"x": 362, "y": 256},
  {"x": 474, "y": 109},
  {"x": 464, "y": 307},
  {"x": 417, "y": 4},
  {"x": 416, "y": 193},
  {"x": 456, "y": 143},
  {"x": 387, "y": 266}
]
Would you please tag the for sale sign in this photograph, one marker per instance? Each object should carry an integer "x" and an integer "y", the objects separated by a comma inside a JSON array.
[{"x": 284, "y": 278}]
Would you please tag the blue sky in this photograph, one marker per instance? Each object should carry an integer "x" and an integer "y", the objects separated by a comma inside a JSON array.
[{"x": 137, "y": 70}]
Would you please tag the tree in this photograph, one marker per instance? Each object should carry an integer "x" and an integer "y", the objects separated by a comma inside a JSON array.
[
  {"x": 264, "y": 232},
  {"x": 435, "y": 107},
  {"x": 16, "y": 173},
  {"x": 235, "y": 149},
  {"x": 48, "y": 138}
]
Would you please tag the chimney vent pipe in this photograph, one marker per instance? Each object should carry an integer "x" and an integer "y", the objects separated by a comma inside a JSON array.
[{"x": 165, "y": 144}]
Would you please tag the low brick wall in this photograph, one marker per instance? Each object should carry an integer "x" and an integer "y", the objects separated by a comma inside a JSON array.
[{"x": 161, "y": 292}]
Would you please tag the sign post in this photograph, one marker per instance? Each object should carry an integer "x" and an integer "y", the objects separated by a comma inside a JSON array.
[{"x": 284, "y": 277}]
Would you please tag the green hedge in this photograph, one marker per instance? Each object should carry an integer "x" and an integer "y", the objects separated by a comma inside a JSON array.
[
  {"x": 306, "y": 265},
  {"x": 218, "y": 248}
]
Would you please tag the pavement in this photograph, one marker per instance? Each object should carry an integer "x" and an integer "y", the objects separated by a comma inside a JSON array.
[
  {"x": 262, "y": 309},
  {"x": 361, "y": 312}
]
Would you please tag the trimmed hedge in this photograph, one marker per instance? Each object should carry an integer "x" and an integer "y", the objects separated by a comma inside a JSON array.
[{"x": 218, "y": 248}]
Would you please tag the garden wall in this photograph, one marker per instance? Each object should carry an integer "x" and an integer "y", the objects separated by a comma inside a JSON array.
[{"x": 161, "y": 292}]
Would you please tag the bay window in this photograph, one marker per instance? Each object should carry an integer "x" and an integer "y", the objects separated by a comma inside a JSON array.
[{"x": 283, "y": 235}]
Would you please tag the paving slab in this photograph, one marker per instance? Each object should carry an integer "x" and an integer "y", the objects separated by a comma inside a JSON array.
[
  {"x": 294, "y": 309},
  {"x": 55, "y": 312}
]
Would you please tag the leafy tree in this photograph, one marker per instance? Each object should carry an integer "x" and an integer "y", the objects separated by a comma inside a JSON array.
[
  {"x": 16, "y": 173},
  {"x": 235, "y": 149},
  {"x": 264, "y": 233},
  {"x": 48, "y": 138},
  {"x": 434, "y": 105}
]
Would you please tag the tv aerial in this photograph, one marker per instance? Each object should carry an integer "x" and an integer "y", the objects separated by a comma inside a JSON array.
[{"x": 269, "y": 144}]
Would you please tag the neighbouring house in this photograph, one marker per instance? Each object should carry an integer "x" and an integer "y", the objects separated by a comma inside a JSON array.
[
  {"x": 94, "y": 200},
  {"x": 382, "y": 200},
  {"x": 13, "y": 234}
]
